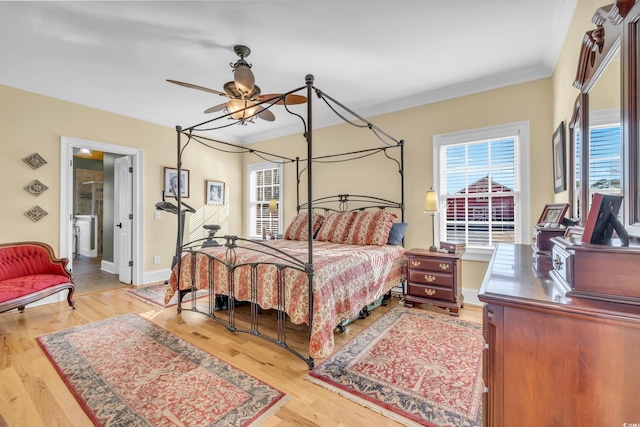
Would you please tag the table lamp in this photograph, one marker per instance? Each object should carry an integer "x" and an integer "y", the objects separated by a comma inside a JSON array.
[
  {"x": 273, "y": 208},
  {"x": 431, "y": 205}
]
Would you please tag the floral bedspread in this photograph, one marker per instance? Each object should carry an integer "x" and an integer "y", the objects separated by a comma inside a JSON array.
[{"x": 346, "y": 278}]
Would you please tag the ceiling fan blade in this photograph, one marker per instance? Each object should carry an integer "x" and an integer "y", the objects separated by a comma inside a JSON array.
[
  {"x": 192, "y": 86},
  {"x": 291, "y": 99},
  {"x": 265, "y": 114},
  {"x": 216, "y": 108}
]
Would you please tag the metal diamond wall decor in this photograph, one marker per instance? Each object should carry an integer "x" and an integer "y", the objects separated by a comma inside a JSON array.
[
  {"x": 36, "y": 213},
  {"x": 35, "y": 161},
  {"x": 36, "y": 188}
]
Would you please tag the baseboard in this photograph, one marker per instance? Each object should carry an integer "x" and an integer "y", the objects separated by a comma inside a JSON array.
[
  {"x": 156, "y": 276},
  {"x": 108, "y": 266},
  {"x": 471, "y": 297}
]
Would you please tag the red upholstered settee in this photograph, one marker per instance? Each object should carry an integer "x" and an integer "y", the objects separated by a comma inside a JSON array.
[{"x": 30, "y": 271}]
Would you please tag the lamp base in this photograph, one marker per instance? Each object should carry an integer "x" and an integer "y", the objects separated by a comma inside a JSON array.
[{"x": 433, "y": 248}]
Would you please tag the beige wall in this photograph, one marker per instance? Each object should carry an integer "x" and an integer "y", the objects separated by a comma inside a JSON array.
[{"x": 32, "y": 123}]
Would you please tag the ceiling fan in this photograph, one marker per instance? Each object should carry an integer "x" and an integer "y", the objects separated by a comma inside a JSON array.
[{"x": 244, "y": 95}]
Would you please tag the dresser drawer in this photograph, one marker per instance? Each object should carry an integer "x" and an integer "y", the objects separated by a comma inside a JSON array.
[
  {"x": 431, "y": 264},
  {"x": 431, "y": 292},
  {"x": 431, "y": 278}
]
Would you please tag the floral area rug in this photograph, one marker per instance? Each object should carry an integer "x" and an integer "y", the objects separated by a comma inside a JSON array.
[
  {"x": 154, "y": 294},
  {"x": 127, "y": 371},
  {"x": 415, "y": 367}
]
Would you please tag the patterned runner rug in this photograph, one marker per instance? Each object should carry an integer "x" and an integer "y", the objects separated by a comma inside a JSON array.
[
  {"x": 127, "y": 371},
  {"x": 415, "y": 367},
  {"x": 154, "y": 294}
]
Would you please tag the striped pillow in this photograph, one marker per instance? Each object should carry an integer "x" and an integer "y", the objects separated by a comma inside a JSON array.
[
  {"x": 297, "y": 230},
  {"x": 335, "y": 227},
  {"x": 370, "y": 228}
]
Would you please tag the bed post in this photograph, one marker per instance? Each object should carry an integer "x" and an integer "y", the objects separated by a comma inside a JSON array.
[
  {"x": 297, "y": 184},
  {"x": 401, "y": 143},
  {"x": 309, "y": 136},
  {"x": 178, "y": 201}
]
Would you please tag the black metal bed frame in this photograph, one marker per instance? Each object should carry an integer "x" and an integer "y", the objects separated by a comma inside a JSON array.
[{"x": 285, "y": 261}]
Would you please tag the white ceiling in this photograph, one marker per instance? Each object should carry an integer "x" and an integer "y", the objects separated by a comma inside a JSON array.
[{"x": 373, "y": 56}]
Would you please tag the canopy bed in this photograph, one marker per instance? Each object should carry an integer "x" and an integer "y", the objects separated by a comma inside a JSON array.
[{"x": 335, "y": 258}]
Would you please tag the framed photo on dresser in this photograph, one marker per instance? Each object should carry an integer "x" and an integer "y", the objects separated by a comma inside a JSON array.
[{"x": 552, "y": 215}]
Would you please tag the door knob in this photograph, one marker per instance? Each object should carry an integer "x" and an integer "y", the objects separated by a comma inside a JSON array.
[{"x": 119, "y": 225}]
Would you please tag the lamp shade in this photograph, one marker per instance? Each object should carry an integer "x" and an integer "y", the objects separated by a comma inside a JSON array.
[
  {"x": 273, "y": 206},
  {"x": 431, "y": 201}
]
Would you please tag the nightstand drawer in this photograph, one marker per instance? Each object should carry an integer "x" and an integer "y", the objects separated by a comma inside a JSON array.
[
  {"x": 421, "y": 263},
  {"x": 431, "y": 278},
  {"x": 432, "y": 292}
]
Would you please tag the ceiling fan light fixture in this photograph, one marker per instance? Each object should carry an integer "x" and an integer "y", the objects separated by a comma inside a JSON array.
[
  {"x": 236, "y": 107},
  {"x": 244, "y": 79}
]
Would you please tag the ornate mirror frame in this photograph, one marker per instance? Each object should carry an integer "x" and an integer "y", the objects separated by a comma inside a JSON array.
[{"x": 617, "y": 29}]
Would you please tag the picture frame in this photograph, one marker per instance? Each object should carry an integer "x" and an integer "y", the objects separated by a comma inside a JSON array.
[
  {"x": 552, "y": 215},
  {"x": 171, "y": 182},
  {"x": 214, "y": 194},
  {"x": 559, "y": 161}
]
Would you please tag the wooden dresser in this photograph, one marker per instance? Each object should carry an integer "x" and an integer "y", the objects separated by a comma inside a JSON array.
[
  {"x": 434, "y": 277},
  {"x": 551, "y": 360}
]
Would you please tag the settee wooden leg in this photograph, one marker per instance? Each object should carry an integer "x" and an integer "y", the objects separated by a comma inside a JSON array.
[{"x": 70, "y": 300}]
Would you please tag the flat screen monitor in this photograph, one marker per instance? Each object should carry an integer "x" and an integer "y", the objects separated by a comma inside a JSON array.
[{"x": 603, "y": 220}]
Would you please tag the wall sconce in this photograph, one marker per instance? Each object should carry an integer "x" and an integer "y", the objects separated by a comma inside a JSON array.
[
  {"x": 273, "y": 208},
  {"x": 431, "y": 205}
]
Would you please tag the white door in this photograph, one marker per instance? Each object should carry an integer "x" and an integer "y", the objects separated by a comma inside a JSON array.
[{"x": 123, "y": 218}]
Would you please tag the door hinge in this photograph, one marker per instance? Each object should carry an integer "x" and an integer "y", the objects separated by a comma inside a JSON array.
[
  {"x": 130, "y": 263},
  {"x": 130, "y": 216},
  {"x": 130, "y": 169}
]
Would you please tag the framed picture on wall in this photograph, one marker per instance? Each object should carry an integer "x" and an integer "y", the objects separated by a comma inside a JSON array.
[
  {"x": 171, "y": 182},
  {"x": 559, "y": 170},
  {"x": 215, "y": 193}
]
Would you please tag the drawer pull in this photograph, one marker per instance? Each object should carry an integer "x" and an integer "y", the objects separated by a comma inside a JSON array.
[
  {"x": 444, "y": 266},
  {"x": 429, "y": 278},
  {"x": 415, "y": 263},
  {"x": 558, "y": 262},
  {"x": 429, "y": 291}
]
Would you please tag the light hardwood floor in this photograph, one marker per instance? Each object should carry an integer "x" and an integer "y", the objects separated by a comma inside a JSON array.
[{"x": 33, "y": 394}]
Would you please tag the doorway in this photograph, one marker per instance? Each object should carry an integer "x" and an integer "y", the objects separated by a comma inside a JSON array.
[{"x": 67, "y": 241}]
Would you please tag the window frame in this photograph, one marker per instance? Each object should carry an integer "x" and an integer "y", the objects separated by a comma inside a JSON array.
[
  {"x": 523, "y": 221},
  {"x": 255, "y": 167}
]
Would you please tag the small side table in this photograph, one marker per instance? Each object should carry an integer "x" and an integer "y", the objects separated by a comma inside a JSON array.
[{"x": 434, "y": 277}]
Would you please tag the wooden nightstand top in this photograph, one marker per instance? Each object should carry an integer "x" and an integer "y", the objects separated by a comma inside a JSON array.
[{"x": 428, "y": 253}]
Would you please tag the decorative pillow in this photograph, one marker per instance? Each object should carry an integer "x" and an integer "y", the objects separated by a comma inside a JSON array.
[
  {"x": 335, "y": 227},
  {"x": 297, "y": 230},
  {"x": 370, "y": 228},
  {"x": 397, "y": 233}
]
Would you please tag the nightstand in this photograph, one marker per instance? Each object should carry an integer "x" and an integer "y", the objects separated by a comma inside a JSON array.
[{"x": 434, "y": 277}]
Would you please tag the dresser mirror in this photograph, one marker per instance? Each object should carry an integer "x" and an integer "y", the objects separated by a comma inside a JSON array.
[
  {"x": 603, "y": 149},
  {"x": 631, "y": 115}
]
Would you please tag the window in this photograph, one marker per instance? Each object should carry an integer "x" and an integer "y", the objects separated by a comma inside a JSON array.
[
  {"x": 481, "y": 178},
  {"x": 605, "y": 145},
  {"x": 605, "y": 161},
  {"x": 264, "y": 184}
]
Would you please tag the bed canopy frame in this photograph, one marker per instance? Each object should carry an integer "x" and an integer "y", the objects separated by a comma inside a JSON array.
[{"x": 338, "y": 203}]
